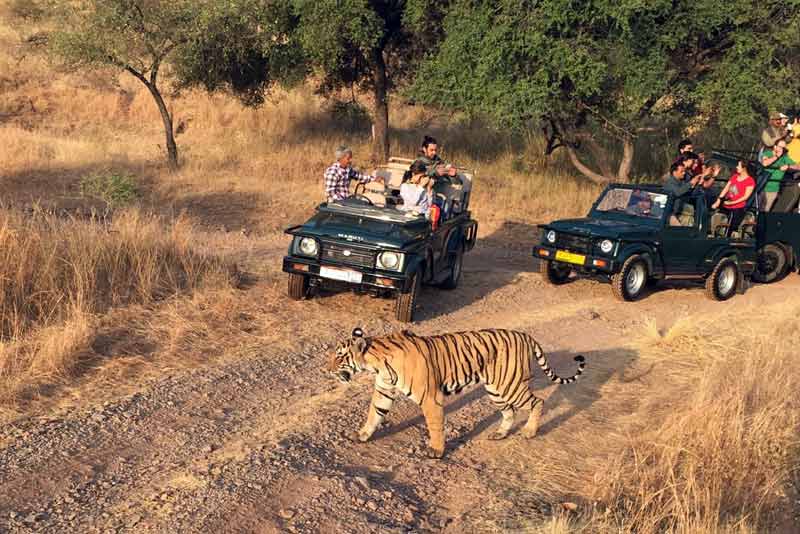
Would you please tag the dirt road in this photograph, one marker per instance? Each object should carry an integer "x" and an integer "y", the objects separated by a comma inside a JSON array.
[{"x": 257, "y": 444}]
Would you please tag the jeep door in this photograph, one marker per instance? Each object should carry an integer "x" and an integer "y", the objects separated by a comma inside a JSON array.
[{"x": 683, "y": 240}]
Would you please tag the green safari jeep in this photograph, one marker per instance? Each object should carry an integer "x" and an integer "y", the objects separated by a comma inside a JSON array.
[
  {"x": 631, "y": 237},
  {"x": 366, "y": 243}
]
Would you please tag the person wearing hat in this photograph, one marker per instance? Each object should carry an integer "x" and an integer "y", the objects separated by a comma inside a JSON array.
[
  {"x": 776, "y": 161},
  {"x": 774, "y": 132},
  {"x": 417, "y": 192}
]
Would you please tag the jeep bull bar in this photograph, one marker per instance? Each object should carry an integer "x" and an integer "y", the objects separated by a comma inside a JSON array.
[{"x": 364, "y": 279}]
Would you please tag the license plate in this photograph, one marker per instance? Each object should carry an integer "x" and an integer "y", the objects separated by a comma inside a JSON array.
[
  {"x": 569, "y": 257},
  {"x": 354, "y": 277}
]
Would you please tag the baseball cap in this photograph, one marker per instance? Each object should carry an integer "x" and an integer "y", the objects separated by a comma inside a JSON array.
[{"x": 783, "y": 116}]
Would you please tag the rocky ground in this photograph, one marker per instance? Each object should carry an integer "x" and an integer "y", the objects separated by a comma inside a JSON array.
[{"x": 257, "y": 442}]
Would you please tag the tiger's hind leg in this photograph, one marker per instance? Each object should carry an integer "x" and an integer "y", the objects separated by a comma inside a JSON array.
[
  {"x": 505, "y": 425},
  {"x": 532, "y": 426},
  {"x": 382, "y": 399}
]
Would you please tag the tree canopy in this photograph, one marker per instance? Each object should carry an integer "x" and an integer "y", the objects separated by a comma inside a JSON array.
[
  {"x": 616, "y": 67},
  {"x": 374, "y": 45},
  {"x": 242, "y": 45}
]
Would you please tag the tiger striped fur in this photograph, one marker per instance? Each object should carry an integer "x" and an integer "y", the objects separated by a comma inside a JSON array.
[{"x": 426, "y": 368}]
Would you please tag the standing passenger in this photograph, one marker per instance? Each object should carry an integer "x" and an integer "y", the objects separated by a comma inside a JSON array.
[{"x": 736, "y": 193}]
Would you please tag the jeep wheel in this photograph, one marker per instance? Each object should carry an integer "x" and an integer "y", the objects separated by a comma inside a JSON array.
[
  {"x": 298, "y": 286},
  {"x": 406, "y": 302},
  {"x": 451, "y": 282},
  {"x": 723, "y": 281},
  {"x": 772, "y": 264},
  {"x": 555, "y": 273},
  {"x": 631, "y": 281}
]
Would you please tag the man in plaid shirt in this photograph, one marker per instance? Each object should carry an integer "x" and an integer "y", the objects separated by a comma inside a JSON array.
[{"x": 338, "y": 175}]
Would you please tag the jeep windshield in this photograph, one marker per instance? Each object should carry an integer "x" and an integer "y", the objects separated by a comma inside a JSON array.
[{"x": 631, "y": 202}]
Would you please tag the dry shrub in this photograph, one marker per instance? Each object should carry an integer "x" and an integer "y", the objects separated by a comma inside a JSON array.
[
  {"x": 722, "y": 460},
  {"x": 56, "y": 275}
]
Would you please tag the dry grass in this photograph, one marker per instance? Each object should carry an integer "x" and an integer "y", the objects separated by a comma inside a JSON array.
[
  {"x": 720, "y": 451},
  {"x": 57, "y": 275}
]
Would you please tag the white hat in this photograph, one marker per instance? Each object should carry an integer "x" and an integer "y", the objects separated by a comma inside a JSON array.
[{"x": 783, "y": 115}]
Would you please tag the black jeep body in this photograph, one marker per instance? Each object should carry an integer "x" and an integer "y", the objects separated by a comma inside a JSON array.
[
  {"x": 379, "y": 249},
  {"x": 630, "y": 237}
]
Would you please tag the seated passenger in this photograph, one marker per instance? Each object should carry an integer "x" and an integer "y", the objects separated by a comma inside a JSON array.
[
  {"x": 708, "y": 176},
  {"x": 640, "y": 204},
  {"x": 436, "y": 167},
  {"x": 680, "y": 187},
  {"x": 736, "y": 193},
  {"x": 417, "y": 192}
]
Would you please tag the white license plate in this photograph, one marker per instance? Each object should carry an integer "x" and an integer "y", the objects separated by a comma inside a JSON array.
[{"x": 354, "y": 277}]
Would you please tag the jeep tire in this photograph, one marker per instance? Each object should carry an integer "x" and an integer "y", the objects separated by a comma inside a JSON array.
[
  {"x": 723, "y": 282},
  {"x": 406, "y": 302},
  {"x": 772, "y": 264},
  {"x": 298, "y": 286},
  {"x": 631, "y": 281},
  {"x": 451, "y": 282},
  {"x": 554, "y": 273}
]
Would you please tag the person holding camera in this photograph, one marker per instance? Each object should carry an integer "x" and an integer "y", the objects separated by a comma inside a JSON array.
[{"x": 774, "y": 132}]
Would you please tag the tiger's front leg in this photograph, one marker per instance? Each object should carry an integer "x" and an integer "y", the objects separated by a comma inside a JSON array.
[{"x": 382, "y": 399}]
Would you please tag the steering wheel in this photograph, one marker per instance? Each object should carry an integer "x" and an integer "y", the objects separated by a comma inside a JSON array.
[{"x": 360, "y": 196}]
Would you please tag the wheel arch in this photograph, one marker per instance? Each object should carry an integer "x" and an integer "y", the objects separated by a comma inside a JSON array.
[{"x": 648, "y": 254}]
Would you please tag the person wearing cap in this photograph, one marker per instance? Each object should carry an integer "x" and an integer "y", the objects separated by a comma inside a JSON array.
[
  {"x": 776, "y": 161},
  {"x": 337, "y": 177},
  {"x": 774, "y": 132},
  {"x": 417, "y": 192}
]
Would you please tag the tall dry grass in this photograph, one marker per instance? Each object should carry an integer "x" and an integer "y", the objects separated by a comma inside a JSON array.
[
  {"x": 720, "y": 452},
  {"x": 56, "y": 275}
]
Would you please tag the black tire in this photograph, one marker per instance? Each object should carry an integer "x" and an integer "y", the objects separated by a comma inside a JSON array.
[
  {"x": 773, "y": 263},
  {"x": 630, "y": 282},
  {"x": 298, "y": 286},
  {"x": 554, "y": 273},
  {"x": 723, "y": 282},
  {"x": 451, "y": 282},
  {"x": 406, "y": 302}
]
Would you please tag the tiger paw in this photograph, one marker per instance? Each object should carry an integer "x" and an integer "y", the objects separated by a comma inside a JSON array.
[
  {"x": 358, "y": 436},
  {"x": 435, "y": 453},
  {"x": 497, "y": 435}
]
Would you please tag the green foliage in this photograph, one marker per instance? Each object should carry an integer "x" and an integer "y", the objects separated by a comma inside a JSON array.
[
  {"x": 349, "y": 114},
  {"x": 114, "y": 188},
  {"x": 616, "y": 67},
  {"x": 244, "y": 47}
]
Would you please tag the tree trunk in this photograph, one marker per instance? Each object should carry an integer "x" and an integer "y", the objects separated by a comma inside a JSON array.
[
  {"x": 152, "y": 86},
  {"x": 380, "y": 126},
  {"x": 625, "y": 164},
  {"x": 585, "y": 170},
  {"x": 172, "y": 148}
]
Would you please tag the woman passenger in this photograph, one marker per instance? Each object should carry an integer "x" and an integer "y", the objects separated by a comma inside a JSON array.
[
  {"x": 417, "y": 192},
  {"x": 736, "y": 192}
]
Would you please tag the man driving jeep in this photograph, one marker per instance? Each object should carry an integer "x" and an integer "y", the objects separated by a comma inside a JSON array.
[{"x": 338, "y": 176}]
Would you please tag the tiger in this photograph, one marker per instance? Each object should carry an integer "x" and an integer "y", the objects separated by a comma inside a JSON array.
[{"x": 427, "y": 368}]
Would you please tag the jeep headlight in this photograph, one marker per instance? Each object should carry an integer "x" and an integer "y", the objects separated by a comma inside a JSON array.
[
  {"x": 307, "y": 246},
  {"x": 550, "y": 236},
  {"x": 390, "y": 261},
  {"x": 606, "y": 245}
]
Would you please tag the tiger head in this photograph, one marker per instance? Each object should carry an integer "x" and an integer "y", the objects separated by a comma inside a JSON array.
[{"x": 348, "y": 358}]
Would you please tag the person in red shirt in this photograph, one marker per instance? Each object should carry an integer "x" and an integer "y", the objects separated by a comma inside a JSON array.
[{"x": 735, "y": 194}]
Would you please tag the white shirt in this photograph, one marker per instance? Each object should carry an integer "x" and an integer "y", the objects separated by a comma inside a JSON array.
[{"x": 415, "y": 198}]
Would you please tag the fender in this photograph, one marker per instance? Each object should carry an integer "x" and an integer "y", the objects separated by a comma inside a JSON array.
[
  {"x": 723, "y": 251},
  {"x": 655, "y": 265},
  {"x": 414, "y": 262}
]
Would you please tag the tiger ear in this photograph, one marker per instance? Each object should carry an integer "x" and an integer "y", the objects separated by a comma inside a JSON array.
[{"x": 357, "y": 332}]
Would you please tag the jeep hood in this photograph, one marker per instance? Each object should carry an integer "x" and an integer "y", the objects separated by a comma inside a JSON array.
[
  {"x": 605, "y": 228},
  {"x": 364, "y": 230}
]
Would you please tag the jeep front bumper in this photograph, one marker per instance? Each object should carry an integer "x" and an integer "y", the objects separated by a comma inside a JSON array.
[
  {"x": 583, "y": 262},
  {"x": 370, "y": 278}
]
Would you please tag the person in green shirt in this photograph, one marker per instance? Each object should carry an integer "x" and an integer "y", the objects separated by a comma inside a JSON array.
[{"x": 776, "y": 161}]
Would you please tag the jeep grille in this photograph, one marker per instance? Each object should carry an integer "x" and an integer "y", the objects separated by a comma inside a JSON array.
[
  {"x": 347, "y": 255},
  {"x": 574, "y": 243}
]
